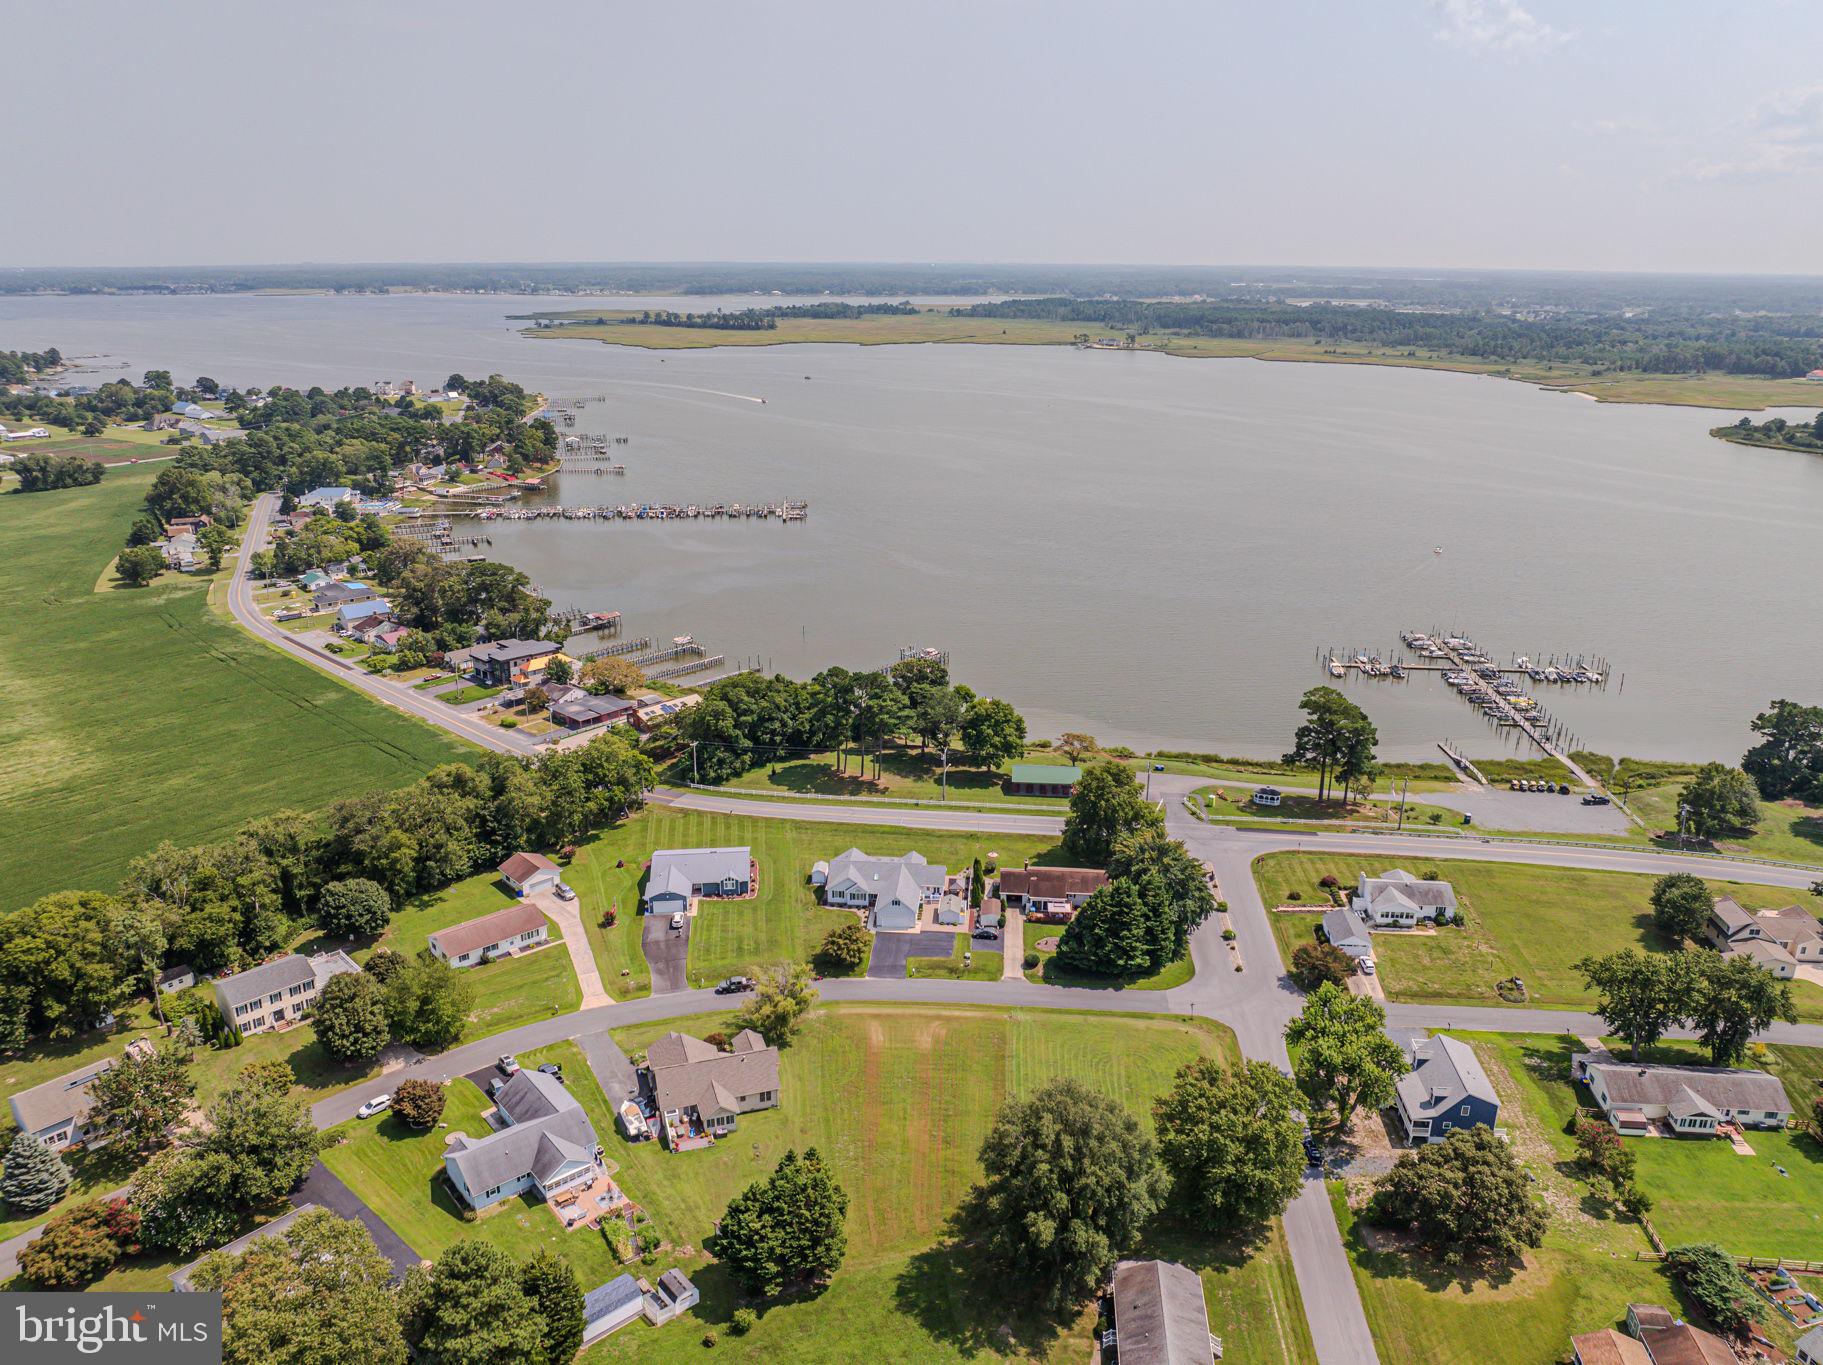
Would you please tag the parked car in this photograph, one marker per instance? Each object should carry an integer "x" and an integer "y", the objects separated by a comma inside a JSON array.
[
  {"x": 374, "y": 1106},
  {"x": 1563, "y": 788},
  {"x": 990, "y": 935},
  {"x": 1595, "y": 799},
  {"x": 508, "y": 1063},
  {"x": 565, "y": 892},
  {"x": 1367, "y": 966},
  {"x": 677, "y": 919},
  {"x": 552, "y": 1069},
  {"x": 733, "y": 985},
  {"x": 1313, "y": 1151}
]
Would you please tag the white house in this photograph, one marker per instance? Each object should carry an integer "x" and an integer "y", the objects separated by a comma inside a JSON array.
[
  {"x": 326, "y": 498},
  {"x": 174, "y": 979},
  {"x": 891, "y": 890},
  {"x": 1398, "y": 900},
  {"x": 546, "y": 1145},
  {"x": 56, "y": 1113},
  {"x": 501, "y": 934},
  {"x": 1810, "y": 1345},
  {"x": 1781, "y": 941},
  {"x": 1691, "y": 1100},
  {"x": 680, "y": 875},
  {"x": 28, "y": 434},
  {"x": 530, "y": 873}
]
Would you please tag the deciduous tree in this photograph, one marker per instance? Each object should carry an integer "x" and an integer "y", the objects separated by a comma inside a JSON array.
[
  {"x": 1640, "y": 996},
  {"x": 427, "y": 1003},
  {"x": 845, "y": 948},
  {"x": 1231, "y": 1140},
  {"x": 1314, "y": 963},
  {"x": 1465, "y": 1197},
  {"x": 1344, "y": 1059},
  {"x": 350, "y": 1018},
  {"x": 1680, "y": 906},
  {"x": 141, "y": 1097},
  {"x": 1106, "y": 807},
  {"x": 353, "y": 908},
  {"x": 993, "y": 732},
  {"x": 1721, "y": 802},
  {"x": 1736, "y": 998},
  {"x": 782, "y": 995},
  {"x": 81, "y": 1244},
  {"x": 419, "y": 1103}
]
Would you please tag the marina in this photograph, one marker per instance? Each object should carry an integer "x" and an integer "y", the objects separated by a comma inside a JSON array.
[{"x": 783, "y": 512}]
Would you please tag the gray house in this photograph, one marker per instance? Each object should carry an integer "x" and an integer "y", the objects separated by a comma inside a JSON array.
[
  {"x": 1160, "y": 1317},
  {"x": 56, "y": 1113},
  {"x": 1445, "y": 1089},
  {"x": 265, "y": 997},
  {"x": 679, "y": 875},
  {"x": 701, "y": 1091},
  {"x": 547, "y": 1145},
  {"x": 892, "y": 890},
  {"x": 1347, "y": 931},
  {"x": 1399, "y": 900}
]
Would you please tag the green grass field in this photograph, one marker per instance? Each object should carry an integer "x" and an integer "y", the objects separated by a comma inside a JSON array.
[
  {"x": 906, "y": 774},
  {"x": 141, "y": 715},
  {"x": 1789, "y": 830},
  {"x": 1525, "y": 921},
  {"x": 783, "y": 922},
  {"x": 983, "y": 963},
  {"x": 899, "y": 1099}
]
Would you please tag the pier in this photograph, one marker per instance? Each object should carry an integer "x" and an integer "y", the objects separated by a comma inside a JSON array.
[
  {"x": 578, "y": 622},
  {"x": 679, "y": 670},
  {"x": 682, "y": 647},
  {"x": 614, "y": 651},
  {"x": 783, "y": 512}
]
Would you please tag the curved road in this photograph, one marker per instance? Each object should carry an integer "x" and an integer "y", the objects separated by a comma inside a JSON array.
[{"x": 1255, "y": 1004}]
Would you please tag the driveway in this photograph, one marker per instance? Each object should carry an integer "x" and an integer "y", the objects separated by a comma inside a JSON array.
[
  {"x": 568, "y": 917},
  {"x": 325, "y": 1189},
  {"x": 892, "y": 951},
  {"x": 1012, "y": 944},
  {"x": 667, "y": 953},
  {"x": 618, "y": 1079}
]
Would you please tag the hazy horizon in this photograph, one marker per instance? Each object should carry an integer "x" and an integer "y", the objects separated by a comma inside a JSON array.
[{"x": 1490, "y": 135}]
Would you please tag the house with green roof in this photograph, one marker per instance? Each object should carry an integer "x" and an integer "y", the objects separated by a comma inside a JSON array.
[{"x": 1043, "y": 779}]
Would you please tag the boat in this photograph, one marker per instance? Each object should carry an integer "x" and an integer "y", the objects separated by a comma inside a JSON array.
[{"x": 1335, "y": 668}]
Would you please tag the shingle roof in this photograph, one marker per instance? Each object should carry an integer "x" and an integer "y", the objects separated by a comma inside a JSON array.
[
  {"x": 1682, "y": 1344},
  {"x": 1444, "y": 1072},
  {"x": 1159, "y": 1315},
  {"x": 1052, "y": 883},
  {"x": 540, "y": 1108},
  {"x": 879, "y": 875},
  {"x": 66, "y": 1097},
  {"x": 489, "y": 929},
  {"x": 1340, "y": 926},
  {"x": 512, "y": 651},
  {"x": 675, "y": 1283},
  {"x": 1628, "y": 1083},
  {"x": 523, "y": 865},
  {"x": 1608, "y": 1347},
  {"x": 1400, "y": 886},
  {"x": 1791, "y": 924},
  {"x": 688, "y": 1073},
  {"x": 291, "y": 970},
  {"x": 604, "y": 1300},
  {"x": 680, "y": 869},
  {"x": 1731, "y": 916}
]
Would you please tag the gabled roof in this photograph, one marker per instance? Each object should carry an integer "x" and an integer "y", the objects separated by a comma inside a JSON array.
[
  {"x": 1159, "y": 1315},
  {"x": 479, "y": 933},
  {"x": 1687, "y": 1104},
  {"x": 1344, "y": 926},
  {"x": 688, "y": 1073},
  {"x": 522, "y": 866},
  {"x": 548, "y": 1128},
  {"x": 605, "y": 1300},
  {"x": 887, "y": 876},
  {"x": 1682, "y": 1344},
  {"x": 291, "y": 970},
  {"x": 1052, "y": 883},
  {"x": 1639, "y": 1083},
  {"x": 1407, "y": 890},
  {"x": 1791, "y": 924},
  {"x": 66, "y": 1097},
  {"x": 1731, "y": 916},
  {"x": 1608, "y": 1347},
  {"x": 1760, "y": 950},
  {"x": 1444, "y": 1073},
  {"x": 684, "y": 868}
]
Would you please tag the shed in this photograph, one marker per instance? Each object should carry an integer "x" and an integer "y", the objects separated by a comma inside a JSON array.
[
  {"x": 610, "y": 1305},
  {"x": 1043, "y": 779},
  {"x": 1159, "y": 1315}
]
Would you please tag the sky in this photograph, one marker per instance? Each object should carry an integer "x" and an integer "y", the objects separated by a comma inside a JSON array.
[{"x": 1660, "y": 135}]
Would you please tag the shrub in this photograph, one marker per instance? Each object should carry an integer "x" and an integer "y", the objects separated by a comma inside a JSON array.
[
  {"x": 743, "y": 1321},
  {"x": 1228, "y": 936},
  {"x": 1328, "y": 883},
  {"x": 845, "y": 948},
  {"x": 1314, "y": 963},
  {"x": 509, "y": 724},
  {"x": 1030, "y": 963},
  {"x": 717, "y": 1039},
  {"x": 1710, "y": 1277},
  {"x": 1294, "y": 895},
  {"x": 419, "y": 1103},
  {"x": 708, "y": 1338}
]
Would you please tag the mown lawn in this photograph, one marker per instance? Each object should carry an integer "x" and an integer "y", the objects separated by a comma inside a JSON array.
[
  {"x": 1521, "y": 920},
  {"x": 1789, "y": 830},
  {"x": 899, "y": 1099},
  {"x": 908, "y": 774},
  {"x": 1580, "y": 1280},
  {"x": 398, "y": 1171},
  {"x": 783, "y": 922},
  {"x": 982, "y": 964},
  {"x": 1235, "y": 802},
  {"x": 140, "y": 715}
]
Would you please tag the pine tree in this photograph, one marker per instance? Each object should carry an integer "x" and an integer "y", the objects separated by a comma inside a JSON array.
[
  {"x": 551, "y": 1284},
  {"x": 789, "y": 1228},
  {"x": 35, "y": 1176}
]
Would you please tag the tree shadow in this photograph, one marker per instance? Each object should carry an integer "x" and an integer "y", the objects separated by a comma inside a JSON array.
[
  {"x": 1386, "y": 1257},
  {"x": 959, "y": 1298}
]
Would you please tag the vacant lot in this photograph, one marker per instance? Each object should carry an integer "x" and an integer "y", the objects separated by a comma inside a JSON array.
[
  {"x": 783, "y": 922},
  {"x": 899, "y": 1100},
  {"x": 140, "y": 715},
  {"x": 1789, "y": 830},
  {"x": 1524, "y": 921},
  {"x": 907, "y": 774}
]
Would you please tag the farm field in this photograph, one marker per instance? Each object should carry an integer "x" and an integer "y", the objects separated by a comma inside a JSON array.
[
  {"x": 783, "y": 922},
  {"x": 166, "y": 720},
  {"x": 1524, "y": 921},
  {"x": 899, "y": 1099}
]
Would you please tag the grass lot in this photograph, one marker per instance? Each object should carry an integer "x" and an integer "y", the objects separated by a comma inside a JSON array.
[
  {"x": 899, "y": 1100},
  {"x": 1230, "y": 803},
  {"x": 934, "y": 325},
  {"x": 1525, "y": 921},
  {"x": 1789, "y": 830},
  {"x": 165, "y": 719},
  {"x": 1050, "y": 972},
  {"x": 473, "y": 692},
  {"x": 903, "y": 773},
  {"x": 983, "y": 964},
  {"x": 783, "y": 921},
  {"x": 398, "y": 1171},
  {"x": 1580, "y": 1280}
]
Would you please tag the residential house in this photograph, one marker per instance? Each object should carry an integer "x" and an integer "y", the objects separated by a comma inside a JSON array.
[
  {"x": 56, "y": 1113},
  {"x": 1781, "y": 941},
  {"x": 1810, "y": 1347},
  {"x": 279, "y": 992},
  {"x": 333, "y": 595},
  {"x": 353, "y": 617},
  {"x": 1690, "y": 1100},
  {"x": 1444, "y": 1090},
  {"x": 1348, "y": 931},
  {"x": 610, "y": 1306},
  {"x": 680, "y": 875},
  {"x": 1607, "y": 1347},
  {"x": 1050, "y": 892},
  {"x": 891, "y": 890},
  {"x": 700, "y": 1091},
  {"x": 313, "y": 579},
  {"x": 386, "y": 637},
  {"x": 182, "y": 552},
  {"x": 1043, "y": 779},
  {"x": 1667, "y": 1341},
  {"x": 1160, "y": 1317},
  {"x": 546, "y": 1145},
  {"x": 530, "y": 873},
  {"x": 193, "y": 412},
  {"x": 512, "y": 930},
  {"x": 163, "y": 421},
  {"x": 215, "y": 436},
  {"x": 1398, "y": 900},
  {"x": 506, "y": 663},
  {"x": 658, "y": 712},
  {"x": 178, "y": 978},
  {"x": 327, "y": 498},
  {"x": 1268, "y": 796},
  {"x": 672, "y": 1295},
  {"x": 195, "y": 523},
  {"x": 579, "y": 710}
]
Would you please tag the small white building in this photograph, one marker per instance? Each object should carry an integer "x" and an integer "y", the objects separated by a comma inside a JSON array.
[
  {"x": 528, "y": 874},
  {"x": 672, "y": 1295},
  {"x": 178, "y": 978},
  {"x": 1268, "y": 796},
  {"x": 610, "y": 1306},
  {"x": 1345, "y": 930}
]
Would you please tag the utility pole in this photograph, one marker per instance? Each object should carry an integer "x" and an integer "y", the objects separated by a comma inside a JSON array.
[
  {"x": 1402, "y": 791},
  {"x": 693, "y": 777},
  {"x": 1682, "y": 811},
  {"x": 945, "y": 772}
]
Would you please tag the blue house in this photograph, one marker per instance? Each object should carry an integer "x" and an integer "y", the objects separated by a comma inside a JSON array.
[
  {"x": 350, "y": 612},
  {"x": 1445, "y": 1089}
]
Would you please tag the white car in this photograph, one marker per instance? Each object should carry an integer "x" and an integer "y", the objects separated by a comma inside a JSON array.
[
  {"x": 1367, "y": 966},
  {"x": 374, "y": 1106},
  {"x": 677, "y": 920},
  {"x": 508, "y": 1063}
]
